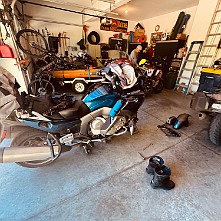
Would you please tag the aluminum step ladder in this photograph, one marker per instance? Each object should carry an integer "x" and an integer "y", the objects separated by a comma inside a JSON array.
[
  {"x": 188, "y": 66},
  {"x": 210, "y": 47}
]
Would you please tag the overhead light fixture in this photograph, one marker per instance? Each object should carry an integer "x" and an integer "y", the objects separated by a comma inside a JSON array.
[{"x": 126, "y": 11}]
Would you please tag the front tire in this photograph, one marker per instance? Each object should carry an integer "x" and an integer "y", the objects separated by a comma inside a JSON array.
[
  {"x": 159, "y": 87},
  {"x": 25, "y": 37},
  {"x": 215, "y": 130},
  {"x": 35, "y": 138}
]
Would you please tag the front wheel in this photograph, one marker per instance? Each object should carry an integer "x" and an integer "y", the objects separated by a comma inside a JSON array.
[
  {"x": 215, "y": 130},
  {"x": 35, "y": 138},
  {"x": 32, "y": 43},
  {"x": 40, "y": 87},
  {"x": 159, "y": 87}
]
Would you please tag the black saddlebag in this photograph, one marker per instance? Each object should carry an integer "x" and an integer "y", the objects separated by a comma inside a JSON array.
[{"x": 48, "y": 104}]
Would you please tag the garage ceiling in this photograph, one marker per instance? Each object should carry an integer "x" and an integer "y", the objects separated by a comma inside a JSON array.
[
  {"x": 143, "y": 9},
  {"x": 136, "y": 9}
]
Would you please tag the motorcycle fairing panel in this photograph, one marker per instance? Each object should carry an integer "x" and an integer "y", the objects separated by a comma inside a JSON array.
[{"x": 100, "y": 97}]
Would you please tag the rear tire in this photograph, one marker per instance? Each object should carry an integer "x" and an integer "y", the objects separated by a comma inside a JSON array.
[
  {"x": 79, "y": 87},
  {"x": 215, "y": 130},
  {"x": 33, "y": 138}
]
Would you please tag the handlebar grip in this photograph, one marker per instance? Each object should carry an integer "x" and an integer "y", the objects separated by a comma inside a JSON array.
[{"x": 112, "y": 79}]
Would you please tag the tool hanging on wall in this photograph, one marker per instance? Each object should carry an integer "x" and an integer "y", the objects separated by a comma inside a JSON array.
[
  {"x": 43, "y": 32},
  {"x": 5, "y": 22},
  {"x": 65, "y": 45},
  {"x": 62, "y": 38},
  {"x": 59, "y": 43},
  {"x": 47, "y": 32},
  {"x": 85, "y": 29}
]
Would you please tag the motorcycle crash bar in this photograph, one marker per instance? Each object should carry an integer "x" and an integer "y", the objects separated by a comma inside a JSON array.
[{"x": 21, "y": 154}]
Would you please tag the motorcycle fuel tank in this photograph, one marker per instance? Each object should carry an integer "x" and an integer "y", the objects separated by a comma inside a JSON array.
[{"x": 100, "y": 97}]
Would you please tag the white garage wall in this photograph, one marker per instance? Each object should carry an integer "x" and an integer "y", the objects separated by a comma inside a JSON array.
[
  {"x": 167, "y": 22},
  {"x": 74, "y": 32},
  {"x": 202, "y": 20}
]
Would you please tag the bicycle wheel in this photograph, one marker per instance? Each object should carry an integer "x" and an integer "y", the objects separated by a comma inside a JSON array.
[
  {"x": 40, "y": 87},
  {"x": 32, "y": 43}
]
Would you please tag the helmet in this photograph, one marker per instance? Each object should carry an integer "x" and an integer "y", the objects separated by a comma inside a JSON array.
[
  {"x": 171, "y": 120},
  {"x": 142, "y": 62},
  {"x": 81, "y": 54},
  {"x": 125, "y": 73}
]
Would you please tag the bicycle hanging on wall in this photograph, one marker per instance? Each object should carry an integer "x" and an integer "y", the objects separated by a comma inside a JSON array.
[{"x": 35, "y": 45}]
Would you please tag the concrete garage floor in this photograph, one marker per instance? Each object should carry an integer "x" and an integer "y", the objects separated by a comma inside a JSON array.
[{"x": 112, "y": 184}]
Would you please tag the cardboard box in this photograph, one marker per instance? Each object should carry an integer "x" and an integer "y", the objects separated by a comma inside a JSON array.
[
  {"x": 137, "y": 39},
  {"x": 181, "y": 36},
  {"x": 139, "y": 32}
]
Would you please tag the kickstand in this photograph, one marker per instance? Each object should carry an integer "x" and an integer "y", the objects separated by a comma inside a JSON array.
[{"x": 87, "y": 147}]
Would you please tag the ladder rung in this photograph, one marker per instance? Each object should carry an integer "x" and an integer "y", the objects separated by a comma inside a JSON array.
[
  {"x": 216, "y": 22},
  {"x": 214, "y": 34},
  {"x": 193, "y": 52},
  {"x": 207, "y": 56},
  {"x": 219, "y": 10},
  {"x": 186, "y": 78},
  {"x": 186, "y": 69},
  {"x": 197, "y": 42},
  {"x": 209, "y": 45},
  {"x": 190, "y": 60},
  {"x": 195, "y": 83},
  {"x": 197, "y": 75},
  {"x": 183, "y": 85},
  {"x": 201, "y": 66}
]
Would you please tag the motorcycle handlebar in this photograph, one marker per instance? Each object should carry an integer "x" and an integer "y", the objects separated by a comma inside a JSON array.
[{"x": 110, "y": 77}]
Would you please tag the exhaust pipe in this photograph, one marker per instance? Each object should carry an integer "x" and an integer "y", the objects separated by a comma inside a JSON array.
[{"x": 21, "y": 154}]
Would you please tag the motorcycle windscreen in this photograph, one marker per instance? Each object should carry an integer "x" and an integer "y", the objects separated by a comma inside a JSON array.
[{"x": 100, "y": 97}]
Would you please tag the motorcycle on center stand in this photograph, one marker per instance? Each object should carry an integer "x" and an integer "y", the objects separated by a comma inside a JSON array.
[{"x": 107, "y": 109}]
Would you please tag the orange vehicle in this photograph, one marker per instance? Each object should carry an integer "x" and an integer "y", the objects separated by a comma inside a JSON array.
[{"x": 79, "y": 78}]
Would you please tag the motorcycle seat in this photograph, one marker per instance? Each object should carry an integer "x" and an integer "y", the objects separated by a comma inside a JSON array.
[{"x": 77, "y": 111}]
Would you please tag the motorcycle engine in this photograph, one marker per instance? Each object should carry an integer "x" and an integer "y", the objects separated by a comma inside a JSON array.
[{"x": 96, "y": 125}]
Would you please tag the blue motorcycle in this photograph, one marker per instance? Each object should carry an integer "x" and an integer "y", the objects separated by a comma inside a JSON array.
[{"x": 107, "y": 109}]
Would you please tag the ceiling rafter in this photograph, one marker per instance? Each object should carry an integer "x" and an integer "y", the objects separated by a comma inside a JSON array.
[
  {"x": 80, "y": 6},
  {"x": 61, "y": 9},
  {"x": 108, "y": 1}
]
